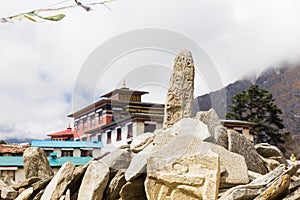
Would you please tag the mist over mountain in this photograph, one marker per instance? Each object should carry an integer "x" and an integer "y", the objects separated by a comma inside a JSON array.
[{"x": 283, "y": 81}]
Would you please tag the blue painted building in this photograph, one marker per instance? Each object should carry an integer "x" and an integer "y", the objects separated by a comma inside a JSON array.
[
  {"x": 13, "y": 165},
  {"x": 69, "y": 148}
]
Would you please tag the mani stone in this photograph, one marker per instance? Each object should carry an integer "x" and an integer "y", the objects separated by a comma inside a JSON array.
[
  {"x": 94, "y": 181},
  {"x": 189, "y": 177},
  {"x": 234, "y": 167},
  {"x": 239, "y": 144},
  {"x": 57, "y": 186},
  {"x": 180, "y": 95},
  {"x": 36, "y": 163}
]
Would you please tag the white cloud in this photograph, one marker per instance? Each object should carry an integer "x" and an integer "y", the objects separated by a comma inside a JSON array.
[{"x": 40, "y": 61}]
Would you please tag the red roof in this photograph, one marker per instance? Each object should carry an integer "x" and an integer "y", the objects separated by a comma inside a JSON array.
[{"x": 67, "y": 132}]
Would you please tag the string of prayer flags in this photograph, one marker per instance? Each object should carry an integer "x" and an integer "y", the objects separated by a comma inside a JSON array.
[{"x": 35, "y": 16}]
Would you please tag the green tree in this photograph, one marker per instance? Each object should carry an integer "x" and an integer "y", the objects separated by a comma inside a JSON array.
[
  {"x": 257, "y": 105},
  {"x": 2, "y": 142}
]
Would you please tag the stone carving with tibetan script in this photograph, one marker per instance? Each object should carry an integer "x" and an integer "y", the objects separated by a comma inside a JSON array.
[
  {"x": 192, "y": 177},
  {"x": 179, "y": 102}
]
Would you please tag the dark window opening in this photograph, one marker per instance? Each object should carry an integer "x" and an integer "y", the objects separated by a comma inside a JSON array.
[
  {"x": 108, "y": 137},
  {"x": 129, "y": 131},
  {"x": 119, "y": 134},
  {"x": 67, "y": 153},
  {"x": 149, "y": 128}
]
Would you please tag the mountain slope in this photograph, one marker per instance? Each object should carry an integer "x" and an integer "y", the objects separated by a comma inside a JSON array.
[{"x": 283, "y": 82}]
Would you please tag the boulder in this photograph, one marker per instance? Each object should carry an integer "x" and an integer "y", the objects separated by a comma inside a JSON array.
[
  {"x": 277, "y": 190},
  {"x": 94, "y": 181},
  {"x": 8, "y": 193},
  {"x": 38, "y": 196},
  {"x": 254, "y": 188},
  {"x": 271, "y": 152},
  {"x": 270, "y": 163},
  {"x": 57, "y": 186},
  {"x": 138, "y": 163},
  {"x": 140, "y": 142},
  {"x": 194, "y": 176},
  {"x": 41, "y": 184},
  {"x": 134, "y": 189},
  {"x": 68, "y": 195},
  {"x": 180, "y": 95},
  {"x": 210, "y": 118},
  {"x": 293, "y": 196},
  {"x": 235, "y": 168},
  {"x": 117, "y": 160},
  {"x": 26, "y": 183},
  {"x": 239, "y": 144},
  {"x": 253, "y": 175},
  {"x": 36, "y": 163},
  {"x": 115, "y": 185},
  {"x": 25, "y": 194}
]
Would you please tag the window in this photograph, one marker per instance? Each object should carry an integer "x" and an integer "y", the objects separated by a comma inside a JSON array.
[
  {"x": 77, "y": 127},
  {"x": 84, "y": 124},
  {"x": 67, "y": 153},
  {"x": 92, "y": 121},
  {"x": 100, "y": 138},
  {"x": 108, "y": 137},
  {"x": 86, "y": 153},
  {"x": 129, "y": 131},
  {"x": 100, "y": 117},
  {"x": 47, "y": 152},
  {"x": 149, "y": 128},
  {"x": 10, "y": 173},
  {"x": 119, "y": 134}
]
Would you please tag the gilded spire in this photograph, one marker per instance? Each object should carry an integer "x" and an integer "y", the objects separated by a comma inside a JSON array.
[{"x": 124, "y": 84}]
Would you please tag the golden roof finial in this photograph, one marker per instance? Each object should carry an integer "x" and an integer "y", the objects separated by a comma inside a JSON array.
[{"x": 124, "y": 84}]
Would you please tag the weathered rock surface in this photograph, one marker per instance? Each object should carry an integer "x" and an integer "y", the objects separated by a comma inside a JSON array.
[
  {"x": 57, "y": 186},
  {"x": 235, "y": 168},
  {"x": 134, "y": 189},
  {"x": 8, "y": 193},
  {"x": 180, "y": 95},
  {"x": 140, "y": 142},
  {"x": 117, "y": 160},
  {"x": 293, "y": 196},
  {"x": 25, "y": 194},
  {"x": 270, "y": 163},
  {"x": 138, "y": 163},
  {"x": 26, "y": 183},
  {"x": 36, "y": 163},
  {"x": 94, "y": 181},
  {"x": 255, "y": 188},
  {"x": 277, "y": 190},
  {"x": 210, "y": 118},
  {"x": 270, "y": 152},
  {"x": 189, "y": 177},
  {"x": 113, "y": 189},
  {"x": 239, "y": 144}
]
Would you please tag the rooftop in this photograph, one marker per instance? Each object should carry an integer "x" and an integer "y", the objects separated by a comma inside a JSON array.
[
  {"x": 237, "y": 122},
  {"x": 13, "y": 148},
  {"x": 65, "y": 144},
  {"x": 17, "y": 161}
]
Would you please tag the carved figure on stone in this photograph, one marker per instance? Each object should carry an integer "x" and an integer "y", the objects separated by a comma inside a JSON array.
[
  {"x": 189, "y": 177},
  {"x": 180, "y": 96},
  {"x": 36, "y": 163}
]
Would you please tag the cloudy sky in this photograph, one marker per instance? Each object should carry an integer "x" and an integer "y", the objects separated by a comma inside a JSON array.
[{"x": 40, "y": 62}]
